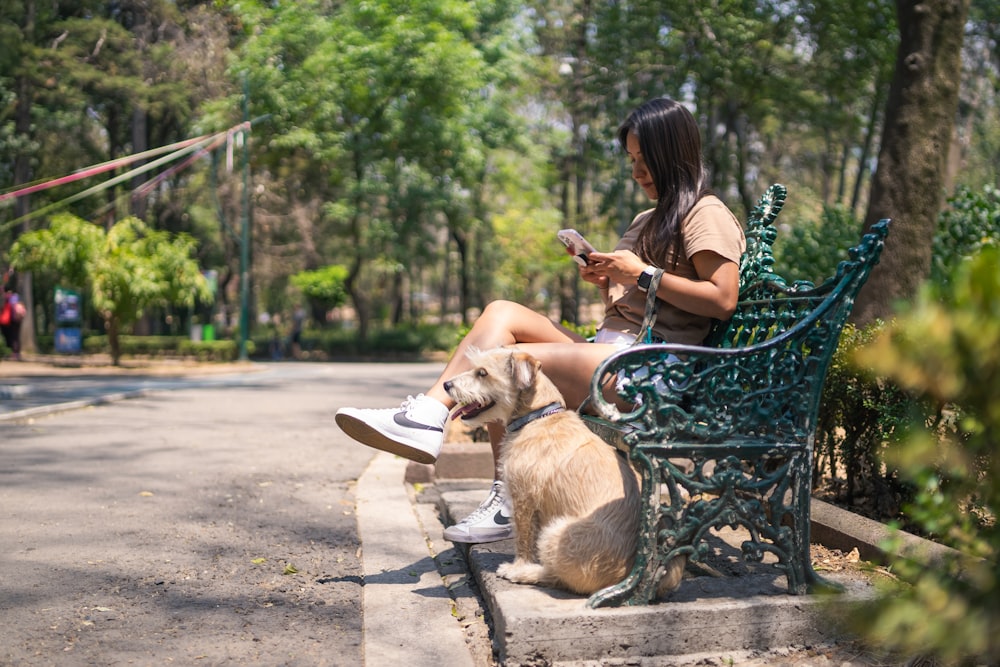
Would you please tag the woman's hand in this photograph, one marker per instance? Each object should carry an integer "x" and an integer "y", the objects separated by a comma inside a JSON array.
[
  {"x": 620, "y": 266},
  {"x": 591, "y": 275}
]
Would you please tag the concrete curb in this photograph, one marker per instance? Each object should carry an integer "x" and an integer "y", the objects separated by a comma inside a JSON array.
[{"x": 407, "y": 609}]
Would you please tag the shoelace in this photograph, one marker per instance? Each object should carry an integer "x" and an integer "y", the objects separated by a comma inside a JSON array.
[{"x": 496, "y": 499}]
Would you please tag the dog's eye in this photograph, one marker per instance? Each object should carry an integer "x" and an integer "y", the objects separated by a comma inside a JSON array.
[{"x": 482, "y": 372}]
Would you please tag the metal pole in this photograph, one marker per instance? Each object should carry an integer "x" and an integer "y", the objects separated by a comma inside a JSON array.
[{"x": 245, "y": 227}]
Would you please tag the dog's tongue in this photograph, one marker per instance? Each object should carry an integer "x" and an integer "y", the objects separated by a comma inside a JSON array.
[{"x": 463, "y": 410}]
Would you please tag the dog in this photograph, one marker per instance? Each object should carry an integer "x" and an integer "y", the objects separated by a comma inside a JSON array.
[{"x": 575, "y": 501}]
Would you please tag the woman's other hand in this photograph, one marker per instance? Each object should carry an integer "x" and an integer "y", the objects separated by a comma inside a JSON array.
[{"x": 620, "y": 266}]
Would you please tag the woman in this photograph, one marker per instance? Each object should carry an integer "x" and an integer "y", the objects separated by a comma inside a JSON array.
[{"x": 690, "y": 234}]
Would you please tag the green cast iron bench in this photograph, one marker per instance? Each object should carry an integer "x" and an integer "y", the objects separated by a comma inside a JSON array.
[{"x": 722, "y": 434}]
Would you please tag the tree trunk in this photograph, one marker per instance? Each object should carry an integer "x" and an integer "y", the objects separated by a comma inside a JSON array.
[
  {"x": 866, "y": 147},
  {"x": 908, "y": 185},
  {"x": 358, "y": 298},
  {"x": 22, "y": 175},
  {"x": 113, "y": 326},
  {"x": 464, "y": 261}
]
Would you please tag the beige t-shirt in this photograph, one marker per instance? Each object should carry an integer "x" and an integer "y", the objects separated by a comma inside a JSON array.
[{"x": 709, "y": 226}]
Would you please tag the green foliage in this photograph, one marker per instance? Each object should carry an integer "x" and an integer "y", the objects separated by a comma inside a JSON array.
[
  {"x": 212, "y": 350},
  {"x": 154, "y": 346},
  {"x": 127, "y": 269},
  {"x": 324, "y": 286},
  {"x": 404, "y": 137},
  {"x": 165, "y": 346},
  {"x": 970, "y": 223},
  {"x": 947, "y": 349},
  {"x": 402, "y": 342},
  {"x": 810, "y": 250},
  {"x": 860, "y": 413}
]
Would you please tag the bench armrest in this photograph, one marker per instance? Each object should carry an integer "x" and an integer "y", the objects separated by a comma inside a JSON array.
[{"x": 766, "y": 392}]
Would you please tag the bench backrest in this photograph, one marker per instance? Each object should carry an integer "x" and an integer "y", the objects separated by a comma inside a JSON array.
[
  {"x": 792, "y": 328},
  {"x": 765, "y": 382}
]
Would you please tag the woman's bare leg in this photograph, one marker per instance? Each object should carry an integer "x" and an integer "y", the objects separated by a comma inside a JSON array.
[{"x": 501, "y": 323}]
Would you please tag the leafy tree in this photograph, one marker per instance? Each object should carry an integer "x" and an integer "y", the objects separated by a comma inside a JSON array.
[
  {"x": 373, "y": 106},
  {"x": 126, "y": 269},
  {"x": 323, "y": 287}
]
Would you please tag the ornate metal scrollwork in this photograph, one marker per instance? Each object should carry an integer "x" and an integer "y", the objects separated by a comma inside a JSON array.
[{"x": 741, "y": 409}]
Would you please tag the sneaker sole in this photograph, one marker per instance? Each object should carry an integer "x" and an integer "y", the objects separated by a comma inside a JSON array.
[
  {"x": 367, "y": 435},
  {"x": 480, "y": 539}
]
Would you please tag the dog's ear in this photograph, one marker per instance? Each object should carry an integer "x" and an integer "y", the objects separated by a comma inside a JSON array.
[{"x": 524, "y": 368}]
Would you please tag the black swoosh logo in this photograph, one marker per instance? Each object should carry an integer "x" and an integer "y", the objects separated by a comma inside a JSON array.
[{"x": 401, "y": 419}]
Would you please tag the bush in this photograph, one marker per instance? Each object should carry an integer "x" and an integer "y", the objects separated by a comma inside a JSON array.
[
  {"x": 167, "y": 346},
  {"x": 947, "y": 350},
  {"x": 810, "y": 250},
  {"x": 970, "y": 223},
  {"x": 211, "y": 350},
  {"x": 406, "y": 342},
  {"x": 860, "y": 414},
  {"x": 147, "y": 346}
]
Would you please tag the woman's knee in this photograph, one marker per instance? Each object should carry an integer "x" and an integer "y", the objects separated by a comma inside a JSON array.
[{"x": 502, "y": 310}]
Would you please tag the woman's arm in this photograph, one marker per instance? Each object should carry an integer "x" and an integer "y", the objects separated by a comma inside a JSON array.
[{"x": 713, "y": 294}]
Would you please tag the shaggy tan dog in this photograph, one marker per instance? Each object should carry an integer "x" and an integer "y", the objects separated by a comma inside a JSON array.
[{"x": 575, "y": 500}]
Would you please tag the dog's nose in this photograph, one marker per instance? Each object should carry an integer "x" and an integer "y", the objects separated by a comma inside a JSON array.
[{"x": 448, "y": 385}]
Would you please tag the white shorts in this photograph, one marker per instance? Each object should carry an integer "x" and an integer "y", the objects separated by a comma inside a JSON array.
[{"x": 619, "y": 338}]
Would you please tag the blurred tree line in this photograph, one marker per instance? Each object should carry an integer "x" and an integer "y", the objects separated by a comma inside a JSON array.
[{"x": 431, "y": 148}]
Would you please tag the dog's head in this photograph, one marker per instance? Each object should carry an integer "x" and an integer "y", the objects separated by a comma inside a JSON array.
[{"x": 500, "y": 383}]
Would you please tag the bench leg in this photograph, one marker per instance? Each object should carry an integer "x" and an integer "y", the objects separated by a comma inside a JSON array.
[
  {"x": 653, "y": 561},
  {"x": 802, "y": 578}
]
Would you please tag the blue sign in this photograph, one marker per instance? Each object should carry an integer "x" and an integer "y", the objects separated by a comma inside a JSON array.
[
  {"x": 68, "y": 340},
  {"x": 68, "y": 306}
]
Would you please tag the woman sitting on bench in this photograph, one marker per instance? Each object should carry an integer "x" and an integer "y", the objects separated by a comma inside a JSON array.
[{"x": 690, "y": 234}]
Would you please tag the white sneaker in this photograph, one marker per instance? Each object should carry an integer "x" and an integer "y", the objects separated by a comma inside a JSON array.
[
  {"x": 489, "y": 523},
  {"x": 414, "y": 430}
]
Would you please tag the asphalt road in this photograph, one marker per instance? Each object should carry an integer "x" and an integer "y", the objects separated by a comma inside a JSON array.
[{"x": 210, "y": 524}]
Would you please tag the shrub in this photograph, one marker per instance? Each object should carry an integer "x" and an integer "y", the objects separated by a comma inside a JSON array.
[
  {"x": 154, "y": 346},
  {"x": 860, "y": 414},
  {"x": 970, "y": 223},
  {"x": 946, "y": 348},
  {"x": 211, "y": 350},
  {"x": 162, "y": 346},
  {"x": 406, "y": 342},
  {"x": 810, "y": 250}
]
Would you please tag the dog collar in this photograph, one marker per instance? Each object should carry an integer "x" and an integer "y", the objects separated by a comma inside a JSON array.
[{"x": 521, "y": 422}]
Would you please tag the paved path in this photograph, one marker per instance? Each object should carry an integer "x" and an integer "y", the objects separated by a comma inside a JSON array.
[{"x": 225, "y": 521}]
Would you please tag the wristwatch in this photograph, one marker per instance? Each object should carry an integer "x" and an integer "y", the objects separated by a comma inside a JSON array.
[{"x": 645, "y": 278}]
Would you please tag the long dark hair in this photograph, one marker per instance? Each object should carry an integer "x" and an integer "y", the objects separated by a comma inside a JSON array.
[{"x": 671, "y": 148}]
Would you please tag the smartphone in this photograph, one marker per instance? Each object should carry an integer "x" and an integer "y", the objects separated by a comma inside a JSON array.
[{"x": 578, "y": 246}]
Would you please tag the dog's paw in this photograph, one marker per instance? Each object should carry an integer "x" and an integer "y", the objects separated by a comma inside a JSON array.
[
  {"x": 521, "y": 572},
  {"x": 673, "y": 573}
]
